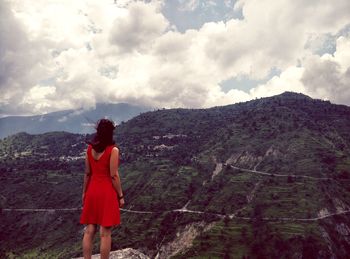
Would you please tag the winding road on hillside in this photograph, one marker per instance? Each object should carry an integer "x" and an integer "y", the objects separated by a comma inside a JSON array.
[
  {"x": 278, "y": 175},
  {"x": 184, "y": 209}
]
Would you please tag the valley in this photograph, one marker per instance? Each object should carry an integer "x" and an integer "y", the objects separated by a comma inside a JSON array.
[{"x": 269, "y": 178}]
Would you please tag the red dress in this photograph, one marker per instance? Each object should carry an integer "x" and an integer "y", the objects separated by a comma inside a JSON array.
[{"x": 100, "y": 205}]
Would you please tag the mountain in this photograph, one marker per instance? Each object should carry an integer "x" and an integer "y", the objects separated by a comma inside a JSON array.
[
  {"x": 268, "y": 178},
  {"x": 75, "y": 121}
]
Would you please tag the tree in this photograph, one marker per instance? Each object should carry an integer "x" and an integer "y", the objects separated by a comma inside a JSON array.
[
  {"x": 226, "y": 220},
  {"x": 227, "y": 252},
  {"x": 244, "y": 233},
  {"x": 310, "y": 247}
]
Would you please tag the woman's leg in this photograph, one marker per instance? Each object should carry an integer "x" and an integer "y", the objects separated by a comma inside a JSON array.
[
  {"x": 106, "y": 240},
  {"x": 88, "y": 239}
]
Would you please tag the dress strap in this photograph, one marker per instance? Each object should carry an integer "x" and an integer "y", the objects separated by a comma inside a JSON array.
[{"x": 88, "y": 150}]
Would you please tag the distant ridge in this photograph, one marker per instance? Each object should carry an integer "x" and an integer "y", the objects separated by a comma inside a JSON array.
[
  {"x": 74, "y": 121},
  {"x": 82, "y": 121},
  {"x": 293, "y": 95}
]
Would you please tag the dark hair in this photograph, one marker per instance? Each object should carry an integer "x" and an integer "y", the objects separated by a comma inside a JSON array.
[{"x": 103, "y": 136}]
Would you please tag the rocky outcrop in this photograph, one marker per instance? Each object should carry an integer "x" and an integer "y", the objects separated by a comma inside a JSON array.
[
  {"x": 339, "y": 205},
  {"x": 328, "y": 241},
  {"x": 344, "y": 231},
  {"x": 126, "y": 253},
  {"x": 217, "y": 170},
  {"x": 183, "y": 240},
  {"x": 243, "y": 159},
  {"x": 323, "y": 212},
  {"x": 248, "y": 160}
]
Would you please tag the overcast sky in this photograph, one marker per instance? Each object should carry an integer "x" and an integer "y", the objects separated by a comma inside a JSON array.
[{"x": 57, "y": 55}]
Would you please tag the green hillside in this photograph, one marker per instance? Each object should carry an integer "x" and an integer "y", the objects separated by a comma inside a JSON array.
[{"x": 268, "y": 178}]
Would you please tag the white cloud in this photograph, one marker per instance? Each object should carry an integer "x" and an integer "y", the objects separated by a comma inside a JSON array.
[
  {"x": 22, "y": 62},
  {"x": 229, "y": 3},
  {"x": 328, "y": 77},
  {"x": 62, "y": 119},
  {"x": 323, "y": 77},
  {"x": 188, "y": 5},
  {"x": 272, "y": 33},
  {"x": 289, "y": 80},
  {"x": 38, "y": 97},
  {"x": 138, "y": 27}
]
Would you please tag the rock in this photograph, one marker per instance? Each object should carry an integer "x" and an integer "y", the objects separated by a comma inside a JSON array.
[
  {"x": 339, "y": 205},
  {"x": 183, "y": 240},
  {"x": 217, "y": 170},
  {"x": 342, "y": 229},
  {"x": 246, "y": 159},
  {"x": 323, "y": 212},
  {"x": 126, "y": 253}
]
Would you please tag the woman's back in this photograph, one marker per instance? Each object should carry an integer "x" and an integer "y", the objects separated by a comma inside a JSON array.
[
  {"x": 101, "y": 201},
  {"x": 100, "y": 167}
]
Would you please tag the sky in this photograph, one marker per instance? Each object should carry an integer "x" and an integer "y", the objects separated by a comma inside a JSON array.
[{"x": 57, "y": 55}]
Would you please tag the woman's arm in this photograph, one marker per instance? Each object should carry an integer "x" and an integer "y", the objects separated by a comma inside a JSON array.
[
  {"x": 113, "y": 166},
  {"x": 86, "y": 175}
]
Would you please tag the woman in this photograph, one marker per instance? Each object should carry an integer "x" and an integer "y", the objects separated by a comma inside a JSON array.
[{"x": 102, "y": 192}]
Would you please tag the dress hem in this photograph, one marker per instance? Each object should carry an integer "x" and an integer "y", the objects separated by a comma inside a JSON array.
[{"x": 116, "y": 224}]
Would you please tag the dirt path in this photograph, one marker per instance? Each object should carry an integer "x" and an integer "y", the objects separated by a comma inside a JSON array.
[
  {"x": 279, "y": 175},
  {"x": 217, "y": 170},
  {"x": 249, "y": 197}
]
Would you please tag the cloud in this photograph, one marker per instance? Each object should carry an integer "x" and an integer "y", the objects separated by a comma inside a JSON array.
[
  {"x": 229, "y": 3},
  {"x": 288, "y": 80},
  {"x": 323, "y": 77},
  {"x": 328, "y": 77},
  {"x": 188, "y": 5},
  {"x": 274, "y": 37},
  {"x": 73, "y": 54},
  {"x": 23, "y": 62},
  {"x": 138, "y": 27}
]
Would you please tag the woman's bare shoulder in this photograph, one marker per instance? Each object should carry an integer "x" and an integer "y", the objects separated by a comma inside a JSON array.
[{"x": 115, "y": 149}]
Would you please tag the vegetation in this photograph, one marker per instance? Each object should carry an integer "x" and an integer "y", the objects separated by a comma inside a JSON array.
[{"x": 167, "y": 160}]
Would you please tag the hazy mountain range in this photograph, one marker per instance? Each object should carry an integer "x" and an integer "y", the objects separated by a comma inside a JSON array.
[
  {"x": 75, "y": 121},
  {"x": 268, "y": 178}
]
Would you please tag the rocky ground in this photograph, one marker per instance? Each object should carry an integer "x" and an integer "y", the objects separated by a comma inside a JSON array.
[{"x": 122, "y": 254}]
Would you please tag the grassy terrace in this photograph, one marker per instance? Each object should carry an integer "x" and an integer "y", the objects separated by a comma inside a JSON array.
[
  {"x": 299, "y": 199},
  {"x": 235, "y": 239}
]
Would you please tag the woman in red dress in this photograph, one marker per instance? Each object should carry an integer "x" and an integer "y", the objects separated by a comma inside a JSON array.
[{"x": 102, "y": 192}]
